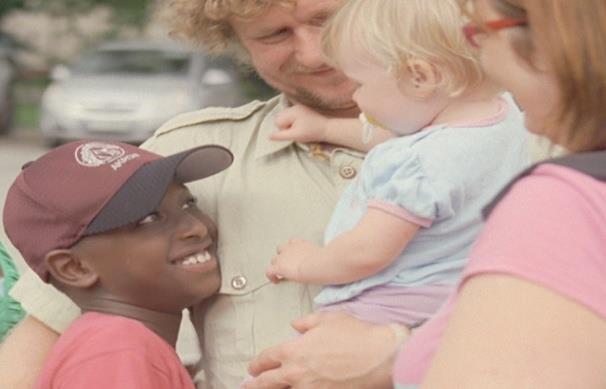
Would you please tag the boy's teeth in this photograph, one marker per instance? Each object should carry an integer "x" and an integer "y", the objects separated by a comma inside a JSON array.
[{"x": 196, "y": 259}]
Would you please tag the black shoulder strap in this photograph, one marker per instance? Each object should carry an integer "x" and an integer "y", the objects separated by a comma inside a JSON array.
[{"x": 591, "y": 163}]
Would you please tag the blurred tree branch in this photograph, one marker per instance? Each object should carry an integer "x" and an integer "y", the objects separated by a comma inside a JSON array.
[
  {"x": 7, "y": 6},
  {"x": 77, "y": 24},
  {"x": 125, "y": 12}
]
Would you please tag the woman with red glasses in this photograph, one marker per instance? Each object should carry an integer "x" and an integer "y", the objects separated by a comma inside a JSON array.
[{"x": 530, "y": 311}]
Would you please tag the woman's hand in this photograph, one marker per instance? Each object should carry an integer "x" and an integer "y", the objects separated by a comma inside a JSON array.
[{"x": 334, "y": 351}]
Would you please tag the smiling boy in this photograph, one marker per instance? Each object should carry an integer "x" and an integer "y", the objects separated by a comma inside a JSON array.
[
  {"x": 281, "y": 39},
  {"x": 114, "y": 228}
]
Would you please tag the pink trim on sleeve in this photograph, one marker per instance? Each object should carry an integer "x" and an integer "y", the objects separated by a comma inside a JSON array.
[{"x": 400, "y": 213}]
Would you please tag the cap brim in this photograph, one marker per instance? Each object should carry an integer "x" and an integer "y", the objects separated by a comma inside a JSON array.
[{"x": 143, "y": 192}]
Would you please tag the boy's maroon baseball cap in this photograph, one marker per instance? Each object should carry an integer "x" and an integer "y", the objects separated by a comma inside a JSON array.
[{"x": 89, "y": 187}]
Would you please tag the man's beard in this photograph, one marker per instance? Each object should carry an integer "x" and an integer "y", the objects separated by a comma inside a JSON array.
[
  {"x": 314, "y": 100},
  {"x": 320, "y": 103}
]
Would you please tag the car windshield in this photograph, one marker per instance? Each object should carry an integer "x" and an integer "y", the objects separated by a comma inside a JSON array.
[{"x": 133, "y": 61}]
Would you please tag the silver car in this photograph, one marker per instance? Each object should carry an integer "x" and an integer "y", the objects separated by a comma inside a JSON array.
[{"x": 125, "y": 90}]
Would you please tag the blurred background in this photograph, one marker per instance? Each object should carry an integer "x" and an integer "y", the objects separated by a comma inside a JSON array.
[{"x": 103, "y": 68}]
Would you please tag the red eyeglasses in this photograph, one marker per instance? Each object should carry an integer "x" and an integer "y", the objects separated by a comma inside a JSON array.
[{"x": 471, "y": 30}]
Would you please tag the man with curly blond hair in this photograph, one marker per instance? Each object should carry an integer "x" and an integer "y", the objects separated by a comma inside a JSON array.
[
  {"x": 274, "y": 191},
  {"x": 259, "y": 32}
]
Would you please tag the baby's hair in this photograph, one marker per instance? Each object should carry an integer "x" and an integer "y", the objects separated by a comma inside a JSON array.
[{"x": 392, "y": 32}]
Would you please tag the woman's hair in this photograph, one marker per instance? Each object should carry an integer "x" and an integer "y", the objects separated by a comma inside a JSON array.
[
  {"x": 392, "y": 32},
  {"x": 206, "y": 22},
  {"x": 572, "y": 34}
]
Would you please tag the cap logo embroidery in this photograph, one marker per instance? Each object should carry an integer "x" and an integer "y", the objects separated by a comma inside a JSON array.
[{"x": 96, "y": 154}]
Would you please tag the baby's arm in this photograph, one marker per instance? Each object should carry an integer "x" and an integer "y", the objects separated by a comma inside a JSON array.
[
  {"x": 302, "y": 124},
  {"x": 365, "y": 250}
]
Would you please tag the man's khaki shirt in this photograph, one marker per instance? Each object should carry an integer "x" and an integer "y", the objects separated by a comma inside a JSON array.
[{"x": 274, "y": 191}]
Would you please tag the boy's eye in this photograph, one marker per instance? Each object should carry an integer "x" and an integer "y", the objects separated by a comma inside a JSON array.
[
  {"x": 152, "y": 217},
  {"x": 190, "y": 202}
]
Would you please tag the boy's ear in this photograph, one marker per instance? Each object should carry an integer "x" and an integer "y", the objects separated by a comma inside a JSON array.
[
  {"x": 67, "y": 267},
  {"x": 422, "y": 80}
]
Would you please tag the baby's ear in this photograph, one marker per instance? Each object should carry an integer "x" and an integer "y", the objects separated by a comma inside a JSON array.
[
  {"x": 422, "y": 80},
  {"x": 67, "y": 267}
]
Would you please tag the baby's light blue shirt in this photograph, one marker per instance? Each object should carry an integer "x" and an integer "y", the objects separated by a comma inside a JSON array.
[{"x": 440, "y": 178}]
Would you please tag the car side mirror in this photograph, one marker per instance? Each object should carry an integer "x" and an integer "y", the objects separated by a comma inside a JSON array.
[
  {"x": 216, "y": 77},
  {"x": 60, "y": 73}
]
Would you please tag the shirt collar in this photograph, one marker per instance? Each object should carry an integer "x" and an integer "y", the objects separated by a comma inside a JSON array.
[{"x": 266, "y": 146}]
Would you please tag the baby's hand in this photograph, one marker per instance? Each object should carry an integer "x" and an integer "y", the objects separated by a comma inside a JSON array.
[
  {"x": 300, "y": 124},
  {"x": 289, "y": 259}
]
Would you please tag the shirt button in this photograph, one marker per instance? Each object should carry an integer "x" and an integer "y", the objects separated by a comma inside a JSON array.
[
  {"x": 347, "y": 172},
  {"x": 239, "y": 282}
]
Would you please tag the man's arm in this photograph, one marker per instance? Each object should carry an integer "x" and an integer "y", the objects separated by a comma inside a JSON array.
[
  {"x": 23, "y": 352},
  {"x": 31, "y": 341}
]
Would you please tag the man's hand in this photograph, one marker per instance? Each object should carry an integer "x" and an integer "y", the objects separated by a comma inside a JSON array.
[
  {"x": 335, "y": 351},
  {"x": 300, "y": 124},
  {"x": 289, "y": 260}
]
